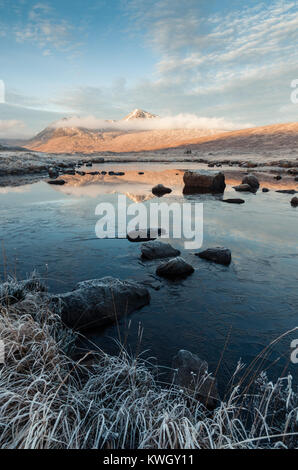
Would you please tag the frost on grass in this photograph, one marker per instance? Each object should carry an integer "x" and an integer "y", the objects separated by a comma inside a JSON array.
[{"x": 48, "y": 400}]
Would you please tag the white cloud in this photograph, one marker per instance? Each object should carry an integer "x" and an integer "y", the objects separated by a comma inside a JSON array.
[
  {"x": 11, "y": 128},
  {"x": 179, "y": 121}
]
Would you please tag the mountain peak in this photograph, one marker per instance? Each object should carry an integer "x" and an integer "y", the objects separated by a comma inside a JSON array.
[{"x": 139, "y": 114}]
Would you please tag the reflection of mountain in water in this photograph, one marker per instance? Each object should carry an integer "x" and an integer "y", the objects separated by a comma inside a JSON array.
[{"x": 139, "y": 197}]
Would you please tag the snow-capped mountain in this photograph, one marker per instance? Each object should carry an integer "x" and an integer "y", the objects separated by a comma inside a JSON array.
[{"x": 139, "y": 114}]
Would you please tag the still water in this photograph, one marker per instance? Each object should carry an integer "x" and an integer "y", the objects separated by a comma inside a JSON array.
[{"x": 220, "y": 313}]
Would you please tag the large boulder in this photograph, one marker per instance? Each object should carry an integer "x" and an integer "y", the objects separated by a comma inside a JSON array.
[
  {"x": 294, "y": 201},
  {"x": 157, "y": 249},
  {"x": 159, "y": 190},
  {"x": 199, "y": 183},
  {"x": 98, "y": 302},
  {"x": 252, "y": 181},
  {"x": 218, "y": 255},
  {"x": 175, "y": 268},
  {"x": 191, "y": 374}
]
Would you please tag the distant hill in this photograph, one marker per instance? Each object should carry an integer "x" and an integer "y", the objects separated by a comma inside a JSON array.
[{"x": 63, "y": 138}]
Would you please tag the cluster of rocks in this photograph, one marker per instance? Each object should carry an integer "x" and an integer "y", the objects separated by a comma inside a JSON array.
[{"x": 250, "y": 183}]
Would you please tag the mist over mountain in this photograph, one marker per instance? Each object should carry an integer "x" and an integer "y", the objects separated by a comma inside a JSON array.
[{"x": 144, "y": 131}]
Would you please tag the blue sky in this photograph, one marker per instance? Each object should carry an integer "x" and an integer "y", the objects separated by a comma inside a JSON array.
[{"x": 233, "y": 60}]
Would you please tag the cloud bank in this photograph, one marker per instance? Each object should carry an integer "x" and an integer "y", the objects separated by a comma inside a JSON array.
[{"x": 179, "y": 121}]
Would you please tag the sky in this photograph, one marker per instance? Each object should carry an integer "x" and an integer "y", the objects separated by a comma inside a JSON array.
[{"x": 232, "y": 61}]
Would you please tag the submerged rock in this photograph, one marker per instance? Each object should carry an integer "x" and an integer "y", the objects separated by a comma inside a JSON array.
[
  {"x": 98, "y": 302},
  {"x": 199, "y": 183},
  {"x": 175, "y": 268},
  {"x": 294, "y": 201},
  {"x": 144, "y": 235},
  {"x": 252, "y": 181},
  {"x": 57, "y": 182},
  {"x": 160, "y": 190},
  {"x": 191, "y": 374},
  {"x": 234, "y": 201},
  {"x": 218, "y": 255},
  {"x": 157, "y": 249}
]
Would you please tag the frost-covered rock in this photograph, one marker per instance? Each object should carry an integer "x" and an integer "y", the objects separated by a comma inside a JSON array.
[
  {"x": 13, "y": 291},
  {"x": 191, "y": 374},
  {"x": 98, "y": 302}
]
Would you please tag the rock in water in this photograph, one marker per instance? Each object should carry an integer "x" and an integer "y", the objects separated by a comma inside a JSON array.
[
  {"x": 98, "y": 302},
  {"x": 175, "y": 268},
  {"x": 144, "y": 235},
  {"x": 191, "y": 374},
  {"x": 294, "y": 201},
  {"x": 198, "y": 183},
  {"x": 53, "y": 172},
  {"x": 157, "y": 249},
  {"x": 265, "y": 190},
  {"x": 160, "y": 190},
  {"x": 252, "y": 181},
  {"x": 234, "y": 201},
  {"x": 286, "y": 191},
  {"x": 57, "y": 182},
  {"x": 243, "y": 187},
  {"x": 218, "y": 255}
]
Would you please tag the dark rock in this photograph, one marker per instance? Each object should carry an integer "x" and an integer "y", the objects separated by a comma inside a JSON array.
[
  {"x": 112, "y": 173},
  {"x": 294, "y": 201},
  {"x": 175, "y": 268},
  {"x": 211, "y": 165},
  {"x": 252, "y": 181},
  {"x": 144, "y": 235},
  {"x": 53, "y": 172},
  {"x": 243, "y": 188},
  {"x": 103, "y": 172},
  {"x": 234, "y": 201},
  {"x": 286, "y": 191},
  {"x": 157, "y": 249},
  {"x": 278, "y": 177},
  {"x": 141, "y": 173},
  {"x": 57, "y": 182},
  {"x": 265, "y": 190},
  {"x": 218, "y": 255},
  {"x": 160, "y": 190},
  {"x": 81, "y": 173},
  {"x": 199, "y": 183},
  {"x": 69, "y": 172},
  {"x": 89, "y": 164},
  {"x": 93, "y": 173},
  {"x": 98, "y": 302},
  {"x": 249, "y": 165},
  {"x": 187, "y": 152},
  {"x": 191, "y": 374}
]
